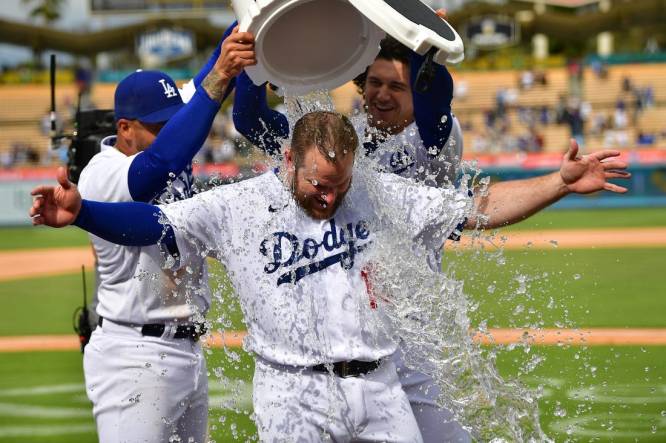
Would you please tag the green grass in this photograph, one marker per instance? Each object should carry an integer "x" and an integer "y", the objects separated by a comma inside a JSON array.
[
  {"x": 595, "y": 287},
  {"x": 602, "y": 393},
  {"x": 65, "y": 414},
  {"x": 41, "y": 237},
  {"x": 589, "y": 390},
  {"x": 41, "y": 305},
  {"x": 594, "y": 218},
  {"x": 588, "y": 287}
]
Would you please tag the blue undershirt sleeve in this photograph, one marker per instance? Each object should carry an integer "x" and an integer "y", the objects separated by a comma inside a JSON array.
[
  {"x": 173, "y": 149},
  {"x": 432, "y": 110},
  {"x": 180, "y": 139},
  {"x": 198, "y": 79},
  {"x": 255, "y": 120},
  {"x": 143, "y": 224}
]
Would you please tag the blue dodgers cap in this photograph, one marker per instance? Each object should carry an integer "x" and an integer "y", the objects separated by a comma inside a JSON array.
[{"x": 147, "y": 96}]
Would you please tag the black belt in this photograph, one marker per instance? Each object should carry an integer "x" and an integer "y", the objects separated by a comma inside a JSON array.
[
  {"x": 352, "y": 368},
  {"x": 191, "y": 331}
]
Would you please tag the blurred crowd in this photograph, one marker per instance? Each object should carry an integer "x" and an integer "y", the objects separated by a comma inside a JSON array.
[
  {"x": 510, "y": 127},
  {"x": 506, "y": 127}
]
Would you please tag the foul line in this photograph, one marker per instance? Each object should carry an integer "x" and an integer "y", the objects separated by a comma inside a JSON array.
[{"x": 539, "y": 337}]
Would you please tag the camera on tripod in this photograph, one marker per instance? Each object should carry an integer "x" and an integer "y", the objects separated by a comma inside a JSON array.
[{"x": 91, "y": 128}]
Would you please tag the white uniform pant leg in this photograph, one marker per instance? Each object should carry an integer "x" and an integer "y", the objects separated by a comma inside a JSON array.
[
  {"x": 299, "y": 405},
  {"x": 437, "y": 424},
  {"x": 145, "y": 389}
]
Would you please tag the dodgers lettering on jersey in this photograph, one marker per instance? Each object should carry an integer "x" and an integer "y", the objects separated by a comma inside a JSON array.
[
  {"x": 300, "y": 280},
  {"x": 285, "y": 249}
]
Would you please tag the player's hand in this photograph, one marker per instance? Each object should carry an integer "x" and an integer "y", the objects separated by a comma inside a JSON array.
[
  {"x": 590, "y": 173},
  {"x": 237, "y": 53},
  {"x": 56, "y": 206}
]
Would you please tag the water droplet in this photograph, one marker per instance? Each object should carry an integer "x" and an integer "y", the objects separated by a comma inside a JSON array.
[
  {"x": 331, "y": 154},
  {"x": 444, "y": 118}
]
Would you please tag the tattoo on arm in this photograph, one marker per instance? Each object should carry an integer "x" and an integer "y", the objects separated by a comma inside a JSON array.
[{"x": 215, "y": 86}]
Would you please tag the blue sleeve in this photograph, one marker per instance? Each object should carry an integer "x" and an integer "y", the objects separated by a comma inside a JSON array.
[
  {"x": 173, "y": 149},
  {"x": 255, "y": 120},
  {"x": 211, "y": 62},
  {"x": 142, "y": 224},
  {"x": 432, "y": 110}
]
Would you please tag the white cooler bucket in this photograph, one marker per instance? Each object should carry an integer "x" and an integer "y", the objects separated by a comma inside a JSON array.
[{"x": 303, "y": 45}]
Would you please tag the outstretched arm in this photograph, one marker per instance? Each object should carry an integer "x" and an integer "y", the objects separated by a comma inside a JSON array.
[
  {"x": 184, "y": 134},
  {"x": 255, "y": 120},
  {"x": 513, "y": 201},
  {"x": 142, "y": 225}
]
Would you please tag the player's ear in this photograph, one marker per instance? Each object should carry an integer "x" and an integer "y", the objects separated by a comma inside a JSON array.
[
  {"x": 288, "y": 158},
  {"x": 123, "y": 127}
]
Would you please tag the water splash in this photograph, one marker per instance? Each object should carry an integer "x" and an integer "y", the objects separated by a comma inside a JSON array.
[{"x": 429, "y": 312}]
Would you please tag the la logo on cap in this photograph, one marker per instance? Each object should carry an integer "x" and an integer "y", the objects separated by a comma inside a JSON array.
[{"x": 169, "y": 90}]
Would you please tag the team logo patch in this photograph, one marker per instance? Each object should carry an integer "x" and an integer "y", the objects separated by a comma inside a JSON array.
[
  {"x": 286, "y": 249},
  {"x": 169, "y": 90}
]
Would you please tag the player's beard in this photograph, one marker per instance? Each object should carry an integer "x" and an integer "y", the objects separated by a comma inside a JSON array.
[{"x": 311, "y": 206}]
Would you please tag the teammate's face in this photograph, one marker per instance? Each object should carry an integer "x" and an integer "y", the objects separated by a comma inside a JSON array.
[
  {"x": 136, "y": 136},
  {"x": 388, "y": 96},
  {"x": 319, "y": 186}
]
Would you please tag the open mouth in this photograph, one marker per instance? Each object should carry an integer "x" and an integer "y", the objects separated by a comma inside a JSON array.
[{"x": 383, "y": 108}]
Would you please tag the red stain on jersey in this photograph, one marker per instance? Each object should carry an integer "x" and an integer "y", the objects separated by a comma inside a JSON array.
[{"x": 365, "y": 274}]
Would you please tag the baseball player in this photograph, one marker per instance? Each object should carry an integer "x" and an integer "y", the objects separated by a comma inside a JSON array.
[
  {"x": 144, "y": 368},
  {"x": 295, "y": 247},
  {"x": 414, "y": 135}
]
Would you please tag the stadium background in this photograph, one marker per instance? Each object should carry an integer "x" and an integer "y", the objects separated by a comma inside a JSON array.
[{"x": 535, "y": 73}]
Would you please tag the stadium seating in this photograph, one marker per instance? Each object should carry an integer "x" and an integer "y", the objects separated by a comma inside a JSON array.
[{"x": 24, "y": 106}]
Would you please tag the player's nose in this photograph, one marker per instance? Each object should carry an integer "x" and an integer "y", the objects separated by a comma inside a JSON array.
[{"x": 383, "y": 94}]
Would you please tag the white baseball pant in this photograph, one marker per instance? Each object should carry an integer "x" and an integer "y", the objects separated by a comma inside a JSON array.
[
  {"x": 302, "y": 406},
  {"x": 146, "y": 389}
]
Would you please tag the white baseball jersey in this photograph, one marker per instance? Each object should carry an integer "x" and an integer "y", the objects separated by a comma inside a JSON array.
[
  {"x": 406, "y": 155},
  {"x": 299, "y": 279},
  {"x": 133, "y": 286}
]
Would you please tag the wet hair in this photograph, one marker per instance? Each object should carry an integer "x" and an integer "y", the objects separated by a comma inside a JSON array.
[
  {"x": 389, "y": 49},
  {"x": 331, "y": 133}
]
